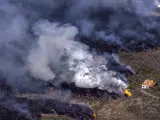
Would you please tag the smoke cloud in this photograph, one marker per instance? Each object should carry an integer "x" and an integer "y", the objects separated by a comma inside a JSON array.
[
  {"x": 85, "y": 69},
  {"x": 71, "y": 41},
  {"x": 39, "y": 40}
]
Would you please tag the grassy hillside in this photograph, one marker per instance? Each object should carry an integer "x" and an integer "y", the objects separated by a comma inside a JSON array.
[{"x": 140, "y": 106}]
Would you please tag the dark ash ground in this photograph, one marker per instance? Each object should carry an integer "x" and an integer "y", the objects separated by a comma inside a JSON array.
[{"x": 140, "y": 106}]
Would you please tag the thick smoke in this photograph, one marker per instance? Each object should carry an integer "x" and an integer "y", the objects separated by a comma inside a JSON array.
[
  {"x": 70, "y": 41},
  {"x": 58, "y": 55},
  {"x": 42, "y": 40}
]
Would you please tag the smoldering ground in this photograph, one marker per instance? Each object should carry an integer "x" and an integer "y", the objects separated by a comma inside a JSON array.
[
  {"x": 28, "y": 39},
  {"x": 68, "y": 41}
]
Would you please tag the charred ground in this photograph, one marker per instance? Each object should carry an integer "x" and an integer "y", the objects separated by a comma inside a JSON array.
[
  {"x": 140, "y": 106},
  {"x": 137, "y": 34}
]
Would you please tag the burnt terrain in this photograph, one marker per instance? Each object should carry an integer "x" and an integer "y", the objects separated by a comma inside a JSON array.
[
  {"x": 104, "y": 30},
  {"x": 140, "y": 106}
]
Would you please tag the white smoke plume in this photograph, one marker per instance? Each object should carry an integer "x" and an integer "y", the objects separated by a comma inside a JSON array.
[
  {"x": 38, "y": 42},
  {"x": 55, "y": 41},
  {"x": 48, "y": 50}
]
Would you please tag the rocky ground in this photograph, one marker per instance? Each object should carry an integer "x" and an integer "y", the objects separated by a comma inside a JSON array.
[{"x": 143, "y": 105}]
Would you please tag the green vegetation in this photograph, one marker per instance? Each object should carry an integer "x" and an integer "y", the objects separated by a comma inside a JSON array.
[{"x": 131, "y": 85}]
